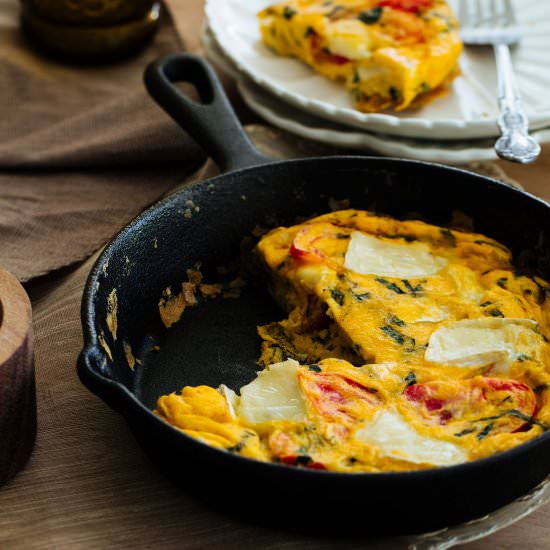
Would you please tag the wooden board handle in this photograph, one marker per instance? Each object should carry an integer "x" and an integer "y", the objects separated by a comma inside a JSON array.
[{"x": 17, "y": 387}]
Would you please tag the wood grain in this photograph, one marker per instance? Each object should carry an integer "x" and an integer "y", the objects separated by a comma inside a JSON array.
[{"x": 17, "y": 387}]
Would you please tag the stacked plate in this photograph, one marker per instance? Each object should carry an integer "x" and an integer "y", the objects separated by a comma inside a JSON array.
[{"x": 458, "y": 128}]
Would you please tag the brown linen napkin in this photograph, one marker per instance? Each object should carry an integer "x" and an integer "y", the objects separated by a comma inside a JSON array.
[{"x": 82, "y": 150}]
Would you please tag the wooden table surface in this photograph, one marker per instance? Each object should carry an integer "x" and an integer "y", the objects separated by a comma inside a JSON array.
[{"x": 89, "y": 485}]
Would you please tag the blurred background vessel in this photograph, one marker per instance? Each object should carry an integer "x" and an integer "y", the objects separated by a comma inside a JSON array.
[{"x": 90, "y": 30}]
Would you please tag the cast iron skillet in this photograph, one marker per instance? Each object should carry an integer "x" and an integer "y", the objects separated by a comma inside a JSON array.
[{"x": 216, "y": 342}]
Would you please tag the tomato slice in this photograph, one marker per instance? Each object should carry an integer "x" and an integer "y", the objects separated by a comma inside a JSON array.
[
  {"x": 411, "y": 6},
  {"x": 303, "y": 247},
  {"x": 311, "y": 241},
  {"x": 337, "y": 397},
  {"x": 510, "y": 394},
  {"x": 438, "y": 400},
  {"x": 508, "y": 402}
]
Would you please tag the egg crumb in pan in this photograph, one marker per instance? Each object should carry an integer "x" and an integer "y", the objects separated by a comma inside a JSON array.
[
  {"x": 390, "y": 53},
  {"x": 407, "y": 346}
]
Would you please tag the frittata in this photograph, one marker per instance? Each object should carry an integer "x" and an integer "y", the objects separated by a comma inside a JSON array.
[
  {"x": 406, "y": 346},
  {"x": 390, "y": 53}
]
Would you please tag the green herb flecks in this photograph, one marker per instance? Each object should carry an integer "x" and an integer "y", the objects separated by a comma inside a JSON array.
[
  {"x": 241, "y": 444},
  {"x": 393, "y": 334},
  {"x": 369, "y": 17},
  {"x": 540, "y": 388},
  {"x": 394, "y": 320},
  {"x": 447, "y": 234},
  {"x": 360, "y": 296},
  {"x": 389, "y": 285},
  {"x": 424, "y": 88},
  {"x": 485, "y": 304},
  {"x": 310, "y": 31},
  {"x": 236, "y": 448},
  {"x": 314, "y": 368},
  {"x": 414, "y": 290},
  {"x": 404, "y": 236},
  {"x": 338, "y": 296},
  {"x": 521, "y": 357},
  {"x": 335, "y": 11},
  {"x": 502, "y": 283},
  {"x": 485, "y": 432},
  {"x": 530, "y": 420},
  {"x": 289, "y": 13},
  {"x": 465, "y": 432},
  {"x": 542, "y": 291},
  {"x": 495, "y": 312},
  {"x": 356, "y": 78},
  {"x": 493, "y": 244},
  {"x": 399, "y": 337},
  {"x": 394, "y": 94},
  {"x": 410, "y": 379}
]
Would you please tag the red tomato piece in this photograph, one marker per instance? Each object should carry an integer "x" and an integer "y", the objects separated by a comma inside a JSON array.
[
  {"x": 519, "y": 395},
  {"x": 411, "y": 6},
  {"x": 337, "y": 397},
  {"x": 311, "y": 240},
  {"x": 303, "y": 247},
  {"x": 480, "y": 396},
  {"x": 426, "y": 395}
]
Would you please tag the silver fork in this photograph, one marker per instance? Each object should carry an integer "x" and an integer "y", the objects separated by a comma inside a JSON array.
[{"x": 493, "y": 22}]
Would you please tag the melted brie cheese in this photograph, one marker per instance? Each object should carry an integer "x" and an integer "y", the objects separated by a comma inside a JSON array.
[
  {"x": 349, "y": 38},
  {"x": 274, "y": 395},
  {"x": 368, "y": 255},
  {"x": 482, "y": 342},
  {"x": 232, "y": 399},
  {"x": 395, "y": 438}
]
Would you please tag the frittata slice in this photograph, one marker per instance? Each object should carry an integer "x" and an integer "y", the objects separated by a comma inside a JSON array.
[
  {"x": 372, "y": 289},
  {"x": 390, "y": 53}
]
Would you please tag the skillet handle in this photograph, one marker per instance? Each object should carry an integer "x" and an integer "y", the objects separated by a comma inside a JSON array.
[{"x": 212, "y": 123}]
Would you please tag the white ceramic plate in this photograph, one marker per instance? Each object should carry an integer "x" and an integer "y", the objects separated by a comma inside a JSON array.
[
  {"x": 469, "y": 111},
  {"x": 292, "y": 119}
]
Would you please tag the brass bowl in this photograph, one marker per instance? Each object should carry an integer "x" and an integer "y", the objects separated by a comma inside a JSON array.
[
  {"x": 89, "y": 43},
  {"x": 89, "y": 12}
]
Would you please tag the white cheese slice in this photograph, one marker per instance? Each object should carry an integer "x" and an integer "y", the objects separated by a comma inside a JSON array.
[
  {"x": 349, "y": 38},
  {"x": 395, "y": 438},
  {"x": 483, "y": 342},
  {"x": 369, "y": 255},
  {"x": 231, "y": 397},
  {"x": 274, "y": 395}
]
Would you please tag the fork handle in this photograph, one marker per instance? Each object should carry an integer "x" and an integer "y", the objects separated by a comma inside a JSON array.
[{"x": 515, "y": 143}]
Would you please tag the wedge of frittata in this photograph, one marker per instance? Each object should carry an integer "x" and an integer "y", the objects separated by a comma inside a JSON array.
[{"x": 390, "y": 53}]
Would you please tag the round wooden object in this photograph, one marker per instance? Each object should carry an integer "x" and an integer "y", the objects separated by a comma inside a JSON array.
[{"x": 17, "y": 388}]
